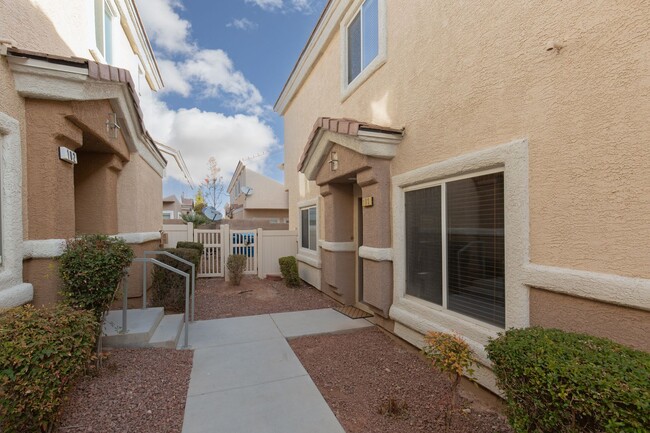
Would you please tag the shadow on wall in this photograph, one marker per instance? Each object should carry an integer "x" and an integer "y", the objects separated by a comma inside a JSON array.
[{"x": 25, "y": 23}]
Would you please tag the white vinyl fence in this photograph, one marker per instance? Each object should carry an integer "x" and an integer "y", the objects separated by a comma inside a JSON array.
[{"x": 263, "y": 248}]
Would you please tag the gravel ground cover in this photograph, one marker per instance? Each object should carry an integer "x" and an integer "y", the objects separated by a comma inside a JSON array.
[
  {"x": 136, "y": 391},
  {"x": 360, "y": 372},
  {"x": 216, "y": 298}
]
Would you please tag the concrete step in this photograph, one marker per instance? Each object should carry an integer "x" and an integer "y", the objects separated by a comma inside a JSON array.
[
  {"x": 168, "y": 331},
  {"x": 141, "y": 325}
]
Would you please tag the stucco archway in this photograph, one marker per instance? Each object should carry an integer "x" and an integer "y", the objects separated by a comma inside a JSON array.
[{"x": 350, "y": 161}]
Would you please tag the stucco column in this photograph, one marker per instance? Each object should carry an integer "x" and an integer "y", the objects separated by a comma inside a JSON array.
[
  {"x": 96, "y": 193},
  {"x": 377, "y": 269},
  {"x": 337, "y": 252},
  {"x": 50, "y": 181}
]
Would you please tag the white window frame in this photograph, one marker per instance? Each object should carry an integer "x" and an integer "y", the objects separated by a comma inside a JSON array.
[
  {"x": 100, "y": 9},
  {"x": 306, "y": 255},
  {"x": 169, "y": 213},
  {"x": 412, "y": 313},
  {"x": 348, "y": 88},
  {"x": 442, "y": 183},
  {"x": 302, "y": 209}
]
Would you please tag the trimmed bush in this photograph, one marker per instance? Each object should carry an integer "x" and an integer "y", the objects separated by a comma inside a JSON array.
[
  {"x": 289, "y": 269},
  {"x": 195, "y": 245},
  {"x": 450, "y": 354},
  {"x": 167, "y": 287},
  {"x": 236, "y": 266},
  {"x": 91, "y": 268},
  {"x": 556, "y": 381},
  {"x": 42, "y": 352}
]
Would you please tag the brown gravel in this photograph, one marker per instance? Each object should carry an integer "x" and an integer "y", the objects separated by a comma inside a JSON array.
[
  {"x": 216, "y": 299},
  {"x": 358, "y": 372},
  {"x": 136, "y": 391}
]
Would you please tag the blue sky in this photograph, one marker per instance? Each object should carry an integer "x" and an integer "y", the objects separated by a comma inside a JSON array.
[{"x": 224, "y": 64}]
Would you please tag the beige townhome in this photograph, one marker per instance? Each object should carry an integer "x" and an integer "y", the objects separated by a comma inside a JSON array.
[
  {"x": 475, "y": 166},
  {"x": 254, "y": 196},
  {"x": 76, "y": 157}
]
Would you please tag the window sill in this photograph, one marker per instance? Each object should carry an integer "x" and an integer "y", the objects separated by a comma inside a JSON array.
[
  {"x": 348, "y": 89},
  {"x": 309, "y": 257}
]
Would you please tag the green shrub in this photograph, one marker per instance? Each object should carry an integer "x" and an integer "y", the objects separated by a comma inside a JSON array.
[
  {"x": 91, "y": 267},
  {"x": 556, "y": 381},
  {"x": 289, "y": 269},
  {"x": 42, "y": 352},
  {"x": 197, "y": 219},
  {"x": 196, "y": 245},
  {"x": 236, "y": 266},
  {"x": 167, "y": 287}
]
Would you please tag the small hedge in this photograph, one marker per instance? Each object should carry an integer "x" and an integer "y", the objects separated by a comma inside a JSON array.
[
  {"x": 236, "y": 265},
  {"x": 289, "y": 269},
  {"x": 556, "y": 381},
  {"x": 195, "y": 245},
  {"x": 91, "y": 267},
  {"x": 42, "y": 352},
  {"x": 167, "y": 287}
]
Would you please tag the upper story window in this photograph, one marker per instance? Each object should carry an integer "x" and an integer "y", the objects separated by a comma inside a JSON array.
[
  {"x": 363, "y": 43},
  {"x": 363, "y": 38},
  {"x": 104, "y": 16}
]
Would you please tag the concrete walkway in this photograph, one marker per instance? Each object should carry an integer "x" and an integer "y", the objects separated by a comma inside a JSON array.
[{"x": 246, "y": 379}]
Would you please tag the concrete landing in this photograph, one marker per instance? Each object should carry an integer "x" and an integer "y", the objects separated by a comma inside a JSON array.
[
  {"x": 146, "y": 328},
  {"x": 245, "y": 377}
]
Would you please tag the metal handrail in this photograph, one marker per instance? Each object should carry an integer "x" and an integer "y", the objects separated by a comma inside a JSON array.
[
  {"x": 169, "y": 268},
  {"x": 144, "y": 277}
]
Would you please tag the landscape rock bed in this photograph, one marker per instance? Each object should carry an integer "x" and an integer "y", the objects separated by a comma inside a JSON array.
[
  {"x": 137, "y": 390},
  {"x": 360, "y": 372},
  {"x": 217, "y": 299}
]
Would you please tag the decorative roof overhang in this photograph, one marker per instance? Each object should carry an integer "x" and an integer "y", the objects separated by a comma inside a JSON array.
[
  {"x": 44, "y": 76},
  {"x": 364, "y": 138}
]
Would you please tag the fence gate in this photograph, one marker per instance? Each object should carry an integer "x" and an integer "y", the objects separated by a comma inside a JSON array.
[
  {"x": 245, "y": 242},
  {"x": 212, "y": 260}
]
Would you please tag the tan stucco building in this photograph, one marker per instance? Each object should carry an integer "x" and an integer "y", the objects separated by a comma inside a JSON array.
[
  {"x": 76, "y": 156},
  {"x": 473, "y": 166},
  {"x": 256, "y": 197}
]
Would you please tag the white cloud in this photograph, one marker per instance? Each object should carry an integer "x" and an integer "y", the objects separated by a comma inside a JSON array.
[
  {"x": 164, "y": 26},
  {"x": 242, "y": 24},
  {"x": 200, "y": 134},
  {"x": 267, "y": 4},
  {"x": 173, "y": 78},
  {"x": 305, "y": 6},
  {"x": 214, "y": 70},
  {"x": 190, "y": 70}
]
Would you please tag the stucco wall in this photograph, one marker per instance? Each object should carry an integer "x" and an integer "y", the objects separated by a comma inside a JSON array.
[
  {"x": 625, "y": 325},
  {"x": 139, "y": 191},
  {"x": 467, "y": 76}
]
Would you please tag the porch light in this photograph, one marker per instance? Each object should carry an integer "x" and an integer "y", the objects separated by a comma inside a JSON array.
[
  {"x": 334, "y": 161},
  {"x": 112, "y": 126}
]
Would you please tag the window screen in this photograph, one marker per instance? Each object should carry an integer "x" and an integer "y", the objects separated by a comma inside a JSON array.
[
  {"x": 354, "y": 48},
  {"x": 475, "y": 248},
  {"x": 108, "y": 36},
  {"x": 424, "y": 244},
  {"x": 370, "y": 11}
]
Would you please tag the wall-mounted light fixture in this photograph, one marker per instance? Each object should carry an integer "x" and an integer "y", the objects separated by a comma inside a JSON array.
[
  {"x": 112, "y": 127},
  {"x": 334, "y": 161}
]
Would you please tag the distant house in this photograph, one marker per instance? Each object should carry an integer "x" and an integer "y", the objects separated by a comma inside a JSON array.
[
  {"x": 76, "y": 156},
  {"x": 173, "y": 208},
  {"x": 254, "y": 196},
  {"x": 471, "y": 167}
]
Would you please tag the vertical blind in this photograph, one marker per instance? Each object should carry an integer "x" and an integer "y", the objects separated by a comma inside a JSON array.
[{"x": 474, "y": 232}]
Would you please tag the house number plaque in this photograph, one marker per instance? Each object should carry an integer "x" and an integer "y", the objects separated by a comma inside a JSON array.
[{"x": 367, "y": 201}]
